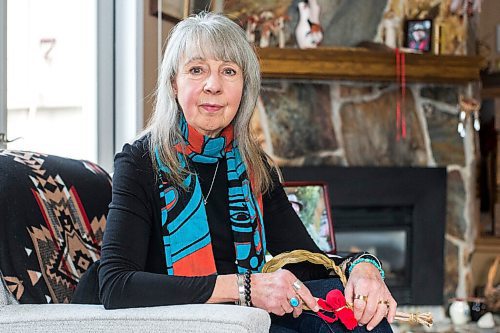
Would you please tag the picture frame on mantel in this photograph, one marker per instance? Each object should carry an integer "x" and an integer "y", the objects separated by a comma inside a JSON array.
[
  {"x": 171, "y": 10},
  {"x": 311, "y": 203},
  {"x": 418, "y": 35}
]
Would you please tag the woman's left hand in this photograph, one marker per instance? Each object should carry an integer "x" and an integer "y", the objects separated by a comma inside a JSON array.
[{"x": 371, "y": 299}]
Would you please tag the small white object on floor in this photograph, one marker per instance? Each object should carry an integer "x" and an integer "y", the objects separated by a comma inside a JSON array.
[
  {"x": 460, "y": 312},
  {"x": 486, "y": 321}
]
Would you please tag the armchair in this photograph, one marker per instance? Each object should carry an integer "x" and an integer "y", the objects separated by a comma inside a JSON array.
[{"x": 52, "y": 219}]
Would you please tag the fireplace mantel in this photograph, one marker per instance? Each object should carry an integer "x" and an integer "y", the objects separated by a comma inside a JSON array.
[{"x": 363, "y": 65}]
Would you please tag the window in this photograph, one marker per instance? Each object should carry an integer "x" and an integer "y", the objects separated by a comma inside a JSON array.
[{"x": 59, "y": 80}]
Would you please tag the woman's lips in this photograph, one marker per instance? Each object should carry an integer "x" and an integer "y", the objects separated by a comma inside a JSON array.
[{"x": 211, "y": 107}]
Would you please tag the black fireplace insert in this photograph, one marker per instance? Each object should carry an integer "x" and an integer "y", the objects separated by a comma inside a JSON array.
[{"x": 397, "y": 213}]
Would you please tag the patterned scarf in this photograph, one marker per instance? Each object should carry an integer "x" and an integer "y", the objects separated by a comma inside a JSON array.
[{"x": 185, "y": 230}]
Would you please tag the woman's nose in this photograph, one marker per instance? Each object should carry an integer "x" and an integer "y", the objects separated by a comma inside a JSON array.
[{"x": 213, "y": 84}]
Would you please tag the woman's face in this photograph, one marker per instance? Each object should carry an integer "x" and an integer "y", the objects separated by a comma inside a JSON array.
[{"x": 209, "y": 93}]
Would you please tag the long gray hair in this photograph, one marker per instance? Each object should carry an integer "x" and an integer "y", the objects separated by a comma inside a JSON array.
[{"x": 214, "y": 36}]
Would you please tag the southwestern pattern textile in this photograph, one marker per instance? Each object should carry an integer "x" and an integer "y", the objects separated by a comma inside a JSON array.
[{"x": 53, "y": 218}]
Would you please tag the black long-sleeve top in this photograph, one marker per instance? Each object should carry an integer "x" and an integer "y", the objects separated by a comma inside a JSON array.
[{"x": 132, "y": 272}]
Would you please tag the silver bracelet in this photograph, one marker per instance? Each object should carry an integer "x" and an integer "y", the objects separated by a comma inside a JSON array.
[
  {"x": 240, "y": 279},
  {"x": 371, "y": 256}
]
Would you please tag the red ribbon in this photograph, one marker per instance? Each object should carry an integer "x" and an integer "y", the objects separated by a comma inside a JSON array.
[
  {"x": 335, "y": 304},
  {"x": 400, "y": 102}
]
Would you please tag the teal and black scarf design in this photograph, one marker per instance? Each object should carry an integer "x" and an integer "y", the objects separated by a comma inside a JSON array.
[{"x": 185, "y": 231}]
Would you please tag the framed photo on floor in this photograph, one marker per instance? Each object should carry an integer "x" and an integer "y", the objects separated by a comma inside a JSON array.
[{"x": 311, "y": 203}]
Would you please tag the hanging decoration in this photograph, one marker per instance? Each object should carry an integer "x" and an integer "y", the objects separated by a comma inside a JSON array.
[
  {"x": 400, "y": 101},
  {"x": 469, "y": 109}
]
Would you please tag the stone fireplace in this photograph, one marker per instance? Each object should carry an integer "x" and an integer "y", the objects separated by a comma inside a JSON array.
[{"x": 331, "y": 123}]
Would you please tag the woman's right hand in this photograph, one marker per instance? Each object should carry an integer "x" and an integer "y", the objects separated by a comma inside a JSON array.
[{"x": 273, "y": 291}]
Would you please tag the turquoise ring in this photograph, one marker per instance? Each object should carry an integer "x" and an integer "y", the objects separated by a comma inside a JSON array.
[{"x": 294, "y": 301}]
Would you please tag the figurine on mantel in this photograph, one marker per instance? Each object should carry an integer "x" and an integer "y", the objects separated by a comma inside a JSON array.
[
  {"x": 252, "y": 22},
  {"x": 267, "y": 27},
  {"x": 468, "y": 7},
  {"x": 390, "y": 30},
  {"x": 308, "y": 32}
]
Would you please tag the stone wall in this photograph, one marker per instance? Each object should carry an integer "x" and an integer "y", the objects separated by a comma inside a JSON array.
[{"x": 354, "y": 124}]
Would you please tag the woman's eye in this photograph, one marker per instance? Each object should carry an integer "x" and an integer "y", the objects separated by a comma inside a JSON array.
[
  {"x": 195, "y": 70},
  {"x": 229, "y": 71}
]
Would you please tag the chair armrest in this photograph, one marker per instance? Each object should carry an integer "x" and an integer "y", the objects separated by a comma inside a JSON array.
[{"x": 76, "y": 318}]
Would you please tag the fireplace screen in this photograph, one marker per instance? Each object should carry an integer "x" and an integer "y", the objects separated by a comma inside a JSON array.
[
  {"x": 396, "y": 213},
  {"x": 390, "y": 246}
]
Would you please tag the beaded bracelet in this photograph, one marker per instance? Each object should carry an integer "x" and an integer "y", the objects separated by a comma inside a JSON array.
[
  {"x": 375, "y": 263},
  {"x": 248, "y": 280},
  {"x": 348, "y": 261}
]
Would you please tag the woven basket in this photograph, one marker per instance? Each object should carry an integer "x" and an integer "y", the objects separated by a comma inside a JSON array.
[
  {"x": 491, "y": 293},
  {"x": 297, "y": 256}
]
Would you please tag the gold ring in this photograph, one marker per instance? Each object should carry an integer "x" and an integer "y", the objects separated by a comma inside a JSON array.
[
  {"x": 297, "y": 285},
  {"x": 361, "y": 297},
  {"x": 386, "y": 302}
]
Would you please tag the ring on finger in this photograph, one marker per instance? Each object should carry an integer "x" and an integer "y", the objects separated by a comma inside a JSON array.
[
  {"x": 294, "y": 301},
  {"x": 363, "y": 298},
  {"x": 297, "y": 285},
  {"x": 385, "y": 302}
]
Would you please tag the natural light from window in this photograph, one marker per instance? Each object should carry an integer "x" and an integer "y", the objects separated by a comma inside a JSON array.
[{"x": 52, "y": 77}]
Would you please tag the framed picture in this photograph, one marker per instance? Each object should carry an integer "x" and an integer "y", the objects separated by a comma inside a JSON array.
[
  {"x": 171, "y": 10},
  {"x": 418, "y": 35},
  {"x": 310, "y": 201}
]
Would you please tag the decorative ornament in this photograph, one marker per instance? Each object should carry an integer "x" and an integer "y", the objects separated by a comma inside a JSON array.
[
  {"x": 308, "y": 32},
  {"x": 469, "y": 108},
  {"x": 252, "y": 22},
  {"x": 390, "y": 29},
  {"x": 335, "y": 303},
  {"x": 486, "y": 321},
  {"x": 460, "y": 311},
  {"x": 268, "y": 27},
  {"x": 467, "y": 7}
]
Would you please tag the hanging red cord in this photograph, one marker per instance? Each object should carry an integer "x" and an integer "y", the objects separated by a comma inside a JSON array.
[
  {"x": 400, "y": 99},
  {"x": 403, "y": 94}
]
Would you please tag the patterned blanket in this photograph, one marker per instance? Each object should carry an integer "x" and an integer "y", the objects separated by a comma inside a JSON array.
[{"x": 52, "y": 218}]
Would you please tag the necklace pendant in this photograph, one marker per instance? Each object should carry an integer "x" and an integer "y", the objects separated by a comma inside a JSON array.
[{"x": 205, "y": 199}]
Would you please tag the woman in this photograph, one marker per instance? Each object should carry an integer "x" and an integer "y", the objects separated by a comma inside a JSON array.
[{"x": 196, "y": 203}]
